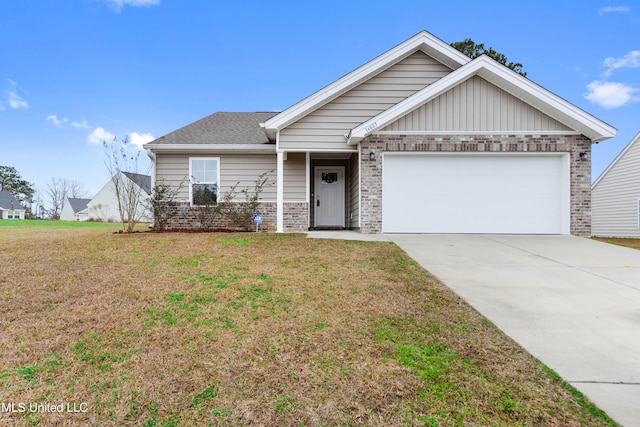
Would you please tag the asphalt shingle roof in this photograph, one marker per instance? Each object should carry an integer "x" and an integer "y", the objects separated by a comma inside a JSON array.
[
  {"x": 78, "y": 204},
  {"x": 143, "y": 181},
  {"x": 221, "y": 128},
  {"x": 7, "y": 198}
]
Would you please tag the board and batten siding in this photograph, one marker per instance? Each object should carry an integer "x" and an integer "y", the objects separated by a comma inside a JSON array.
[
  {"x": 476, "y": 105},
  {"x": 326, "y": 127},
  {"x": 173, "y": 169},
  {"x": 614, "y": 198}
]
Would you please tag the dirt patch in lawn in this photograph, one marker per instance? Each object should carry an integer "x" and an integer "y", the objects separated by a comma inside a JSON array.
[{"x": 253, "y": 329}]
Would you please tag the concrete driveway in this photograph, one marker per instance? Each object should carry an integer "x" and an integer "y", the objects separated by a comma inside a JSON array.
[{"x": 573, "y": 303}]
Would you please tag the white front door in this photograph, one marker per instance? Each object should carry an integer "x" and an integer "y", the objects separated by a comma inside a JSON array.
[{"x": 329, "y": 197}]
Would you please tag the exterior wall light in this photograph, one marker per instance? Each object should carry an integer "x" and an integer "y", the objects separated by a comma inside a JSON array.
[
  {"x": 583, "y": 156},
  {"x": 372, "y": 156}
]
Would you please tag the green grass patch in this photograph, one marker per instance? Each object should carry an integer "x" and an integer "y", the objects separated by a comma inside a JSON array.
[{"x": 172, "y": 329}]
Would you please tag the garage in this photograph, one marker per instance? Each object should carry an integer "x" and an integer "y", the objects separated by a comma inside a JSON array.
[{"x": 493, "y": 193}]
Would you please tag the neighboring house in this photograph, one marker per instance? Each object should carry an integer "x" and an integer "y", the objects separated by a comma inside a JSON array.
[
  {"x": 75, "y": 209},
  {"x": 615, "y": 195},
  {"x": 421, "y": 139},
  {"x": 104, "y": 205},
  {"x": 10, "y": 207}
]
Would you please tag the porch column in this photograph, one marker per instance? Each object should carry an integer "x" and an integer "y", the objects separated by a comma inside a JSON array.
[{"x": 280, "y": 192}]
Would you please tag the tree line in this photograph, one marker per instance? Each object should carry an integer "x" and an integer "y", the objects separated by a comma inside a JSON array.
[{"x": 40, "y": 204}]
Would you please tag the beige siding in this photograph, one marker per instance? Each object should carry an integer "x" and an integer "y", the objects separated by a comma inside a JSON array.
[
  {"x": 325, "y": 128},
  {"x": 476, "y": 105},
  {"x": 241, "y": 168},
  {"x": 295, "y": 177},
  {"x": 173, "y": 170},
  {"x": 614, "y": 200}
]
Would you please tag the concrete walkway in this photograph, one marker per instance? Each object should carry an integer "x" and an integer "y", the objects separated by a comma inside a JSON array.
[{"x": 573, "y": 303}]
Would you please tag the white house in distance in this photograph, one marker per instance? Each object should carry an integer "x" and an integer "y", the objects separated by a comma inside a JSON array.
[
  {"x": 104, "y": 205},
  {"x": 75, "y": 209},
  {"x": 10, "y": 207},
  {"x": 615, "y": 195}
]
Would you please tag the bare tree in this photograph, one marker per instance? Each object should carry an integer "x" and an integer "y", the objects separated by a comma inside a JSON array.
[
  {"x": 77, "y": 190},
  {"x": 123, "y": 163},
  {"x": 58, "y": 189}
]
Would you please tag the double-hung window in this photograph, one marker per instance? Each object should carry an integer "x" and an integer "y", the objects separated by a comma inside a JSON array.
[{"x": 204, "y": 173}]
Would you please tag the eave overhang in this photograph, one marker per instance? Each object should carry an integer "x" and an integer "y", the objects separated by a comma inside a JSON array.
[
  {"x": 217, "y": 148},
  {"x": 423, "y": 41},
  {"x": 507, "y": 80}
]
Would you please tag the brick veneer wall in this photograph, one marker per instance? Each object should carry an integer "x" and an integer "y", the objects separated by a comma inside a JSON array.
[
  {"x": 183, "y": 216},
  {"x": 296, "y": 216},
  {"x": 580, "y": 170}
]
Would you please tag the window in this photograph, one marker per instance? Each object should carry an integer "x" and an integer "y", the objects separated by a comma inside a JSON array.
[{"x": 204, "y": 175}]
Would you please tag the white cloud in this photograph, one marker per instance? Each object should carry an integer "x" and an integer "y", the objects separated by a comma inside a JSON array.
[
  {"x": 14, "y": 100},
  {"x": 614, "y": 9},
  {"x": 56, "y": 121},
  {"x": 611, "y": 94},
  {"x": 140, "y": 139},
  {"x": 630, "y": 60},
  {"x": 99, "y": 136},
  {"x": 81, "y": 125},
  {"x": 117, "y": 5}
]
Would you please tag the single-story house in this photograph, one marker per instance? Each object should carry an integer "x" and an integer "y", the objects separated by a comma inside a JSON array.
[
  {"x": 104, "y": 205},
  {"x": 10, "y": 207},
  {"x": 615, "y": 195},
  {"x": 421, "y": 139},
  {"x": 75, "y": 209}
]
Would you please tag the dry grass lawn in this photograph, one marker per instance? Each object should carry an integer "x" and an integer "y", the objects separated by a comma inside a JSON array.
[
  {"x": 621, "y": 241},
  {"x": 251, "y": 329}
]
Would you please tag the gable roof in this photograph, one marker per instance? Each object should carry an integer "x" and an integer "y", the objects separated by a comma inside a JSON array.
[
  {"x": 78, "y": 204},
  {"x": 423, "y": 41},
  {"x": 143, "y": 181},
  {"x": 507, "y": 80},
  {"x": 224, "y": 128},
  {"x": 7, "y": 199},
  {"x": 615, "y": 161}
]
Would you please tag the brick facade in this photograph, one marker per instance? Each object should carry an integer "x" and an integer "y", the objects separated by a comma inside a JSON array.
[
  {"x": 183, "y": 216},
  {"x": 580, "y": 170}
]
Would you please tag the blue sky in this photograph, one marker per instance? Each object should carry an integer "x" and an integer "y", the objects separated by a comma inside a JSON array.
[{"x": 76, "y": 72}]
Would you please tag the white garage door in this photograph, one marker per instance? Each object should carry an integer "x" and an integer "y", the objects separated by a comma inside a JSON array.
[{"x": 476, "y": 193}]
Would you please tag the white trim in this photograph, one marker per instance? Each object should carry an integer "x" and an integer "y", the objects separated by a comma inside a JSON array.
[
  {"x": 359, "y": 186},
  {"x": 191, "y": 182},
  {"x": 424, "y": 41},
  {"x": 307, "y": 171},
  {"x": 480, "y": 132},
  {"x": 218, "y": 148},
  {"x": 322, "y": 150},
  {"x": 280, "y": 193},
  {"x": 616, "y": 160},
  {"x": 504, "y": 78}
]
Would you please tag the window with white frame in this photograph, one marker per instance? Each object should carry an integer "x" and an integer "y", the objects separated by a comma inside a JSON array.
[{"x": 204, "y": 173}]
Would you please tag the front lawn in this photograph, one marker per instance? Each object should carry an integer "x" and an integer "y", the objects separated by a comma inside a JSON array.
[
  {"x": 252, "y": 329},
  {"x": 621, "y": 241}
]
